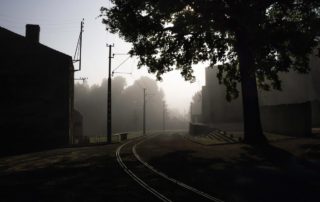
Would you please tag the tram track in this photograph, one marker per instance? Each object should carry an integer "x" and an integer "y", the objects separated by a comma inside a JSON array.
[
  {"x": 136, "y": 178},
  {"x": 162, "y": 186}
]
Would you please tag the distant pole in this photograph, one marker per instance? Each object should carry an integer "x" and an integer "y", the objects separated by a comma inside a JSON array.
[
  {"x": 144, "y": 111},
  {"x": 164, "y": 117},
  {"x": 191, "y": 112},
  {"x": 109, "y": 131},
  {"x": 81, "y": 31}
]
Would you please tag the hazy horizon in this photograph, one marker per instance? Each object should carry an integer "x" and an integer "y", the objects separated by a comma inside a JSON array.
[{"x": 59, "y": 29}]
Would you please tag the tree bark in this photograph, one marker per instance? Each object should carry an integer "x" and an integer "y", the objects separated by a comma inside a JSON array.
[{"x": 253, "y": 133}]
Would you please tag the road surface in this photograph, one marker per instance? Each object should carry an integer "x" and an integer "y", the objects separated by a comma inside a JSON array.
[{"x": 285, "y": 171}]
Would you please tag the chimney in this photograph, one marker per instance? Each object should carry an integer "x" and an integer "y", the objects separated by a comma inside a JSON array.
[{"x": 32, "y": 33}]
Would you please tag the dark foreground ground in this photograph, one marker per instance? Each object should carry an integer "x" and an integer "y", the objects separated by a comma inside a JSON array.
[
  {"x": 73, "y": 174},
  {"x": 287, "y": 170}
]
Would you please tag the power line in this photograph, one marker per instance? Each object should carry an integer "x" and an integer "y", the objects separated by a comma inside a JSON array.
[
  {"x": 113, "y": 71},
  {"x": 83, "y": 79}
]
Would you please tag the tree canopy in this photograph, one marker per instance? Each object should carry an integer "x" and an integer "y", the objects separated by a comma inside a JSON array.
[
  {"x": 250, "y": 41},
  {"x": 168, "y": 34}
]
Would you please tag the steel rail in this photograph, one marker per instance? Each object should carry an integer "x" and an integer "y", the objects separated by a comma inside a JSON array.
[
  {"x": 190, "y": 188},
  {"x": 136, "y": 178}
]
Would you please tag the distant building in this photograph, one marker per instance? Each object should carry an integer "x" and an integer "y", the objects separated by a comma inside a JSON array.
[
  {"x": 296, "y": 107},
  {"x": 216, "y": 110},
  {"x": 298, "y": 89},
  {"x": 214, "y": 98},
  {"x": 77, "y": 127},
  {"x": 37, "y": 93}
]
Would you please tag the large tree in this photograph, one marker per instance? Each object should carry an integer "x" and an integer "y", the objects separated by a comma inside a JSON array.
[{"x": 250, "y": 41}]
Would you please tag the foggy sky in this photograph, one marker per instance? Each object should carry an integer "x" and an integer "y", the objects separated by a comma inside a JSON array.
[
  {"x": 59, "y": 22},
  {"x": 127, "y": 107}
]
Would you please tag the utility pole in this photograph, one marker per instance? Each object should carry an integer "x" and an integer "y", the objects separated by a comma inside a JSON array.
[
  {"x": 81, "y": 31},
  {"x": 144, "y": 111},
  {"x": 164, "y": 116},
  {"x": 78, "y": 53},
  {"x": 191, "y": 112},
  {"x": 109, "y": 131}
]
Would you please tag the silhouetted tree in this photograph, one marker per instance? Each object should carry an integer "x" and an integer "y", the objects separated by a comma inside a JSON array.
[
  {"x": 127, "y": 102},
  {"x": 196, "y": 103},
  {"x": 155, "y": 96},
  {"x": 252, "y": 39}
]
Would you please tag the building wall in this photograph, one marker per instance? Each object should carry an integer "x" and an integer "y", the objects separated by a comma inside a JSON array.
[
  {"x": 296, "y": 87},
  {"x": 216, "y": 109},
  {"x": 35, "y": 111},
  {"x": 200, "y": 129},
  {"x": 206, "y": 105},
  {"x": 282, "y": 111},
  {"x": 289, "y": 119},
  {"x": 315, "y": 106},
  {"x": 77, "y": 127}
]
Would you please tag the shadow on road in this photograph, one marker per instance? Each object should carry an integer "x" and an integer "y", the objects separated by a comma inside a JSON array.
[
  {"x": 88, "y": 174},
  {"x": 264, "y": 173}
]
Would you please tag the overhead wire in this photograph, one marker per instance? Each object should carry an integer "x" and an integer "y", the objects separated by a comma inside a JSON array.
[{"x": 113, "y": 71}]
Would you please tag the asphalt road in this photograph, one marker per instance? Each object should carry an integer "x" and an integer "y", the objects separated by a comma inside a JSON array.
[{"x": 283, "y": 171}]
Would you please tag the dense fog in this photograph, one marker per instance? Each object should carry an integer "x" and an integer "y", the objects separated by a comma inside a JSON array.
[{"x": 127, "y": 107}]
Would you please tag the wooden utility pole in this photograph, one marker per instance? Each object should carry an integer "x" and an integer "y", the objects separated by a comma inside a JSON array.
[
  {"x": 191, "y": 113},
  {"x": 144, "y": 111},
  {"x": 164, "y": 116},
  {"x": 109, "y": 123}
]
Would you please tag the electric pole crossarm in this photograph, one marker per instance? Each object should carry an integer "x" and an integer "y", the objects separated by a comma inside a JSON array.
[{"x": 114, "y": 71}]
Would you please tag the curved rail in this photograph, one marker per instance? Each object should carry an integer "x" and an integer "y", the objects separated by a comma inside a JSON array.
[
  {"x": 201, "y": 193},
  {"x": 163, "y": 175},
  {"x": 136, "y": 178}
]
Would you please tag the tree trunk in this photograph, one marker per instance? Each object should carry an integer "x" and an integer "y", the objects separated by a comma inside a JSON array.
[{"x": 253, "y": 133}]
